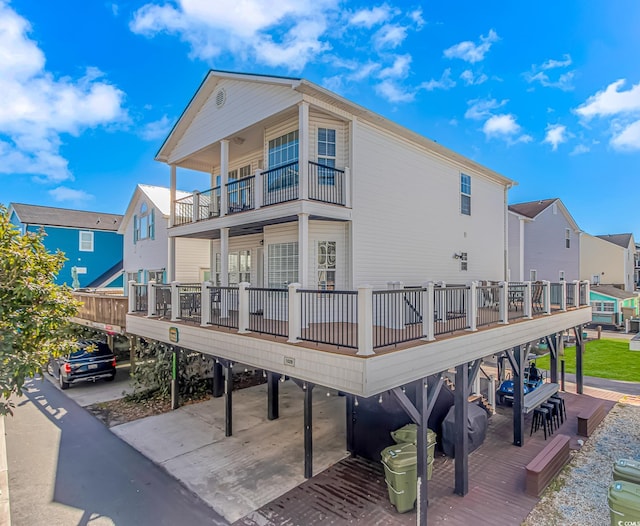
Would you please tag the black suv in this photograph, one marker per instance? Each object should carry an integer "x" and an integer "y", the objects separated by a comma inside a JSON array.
[{"x": 92, "y": 361}]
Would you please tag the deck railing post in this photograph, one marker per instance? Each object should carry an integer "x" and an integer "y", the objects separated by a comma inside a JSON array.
[
  {"x": 243, "y": 307},
  {"x": 195, "y": 212},
  {"x": 175, "y": 301},
  {"x": 132, "y": 296},
  {"x": 428, "y": 308},
  {"x": 151, "y": 298},
  {"x": 504, "y": 302},
  {"x": 258, "y": 190},
  {"x": 295, "y": 315},
  {"x": 587, "y": 292},
  {"x": 546, "y": 295},
  {"x": 527, "y": 307},
  {"x": 576, "y": 293},
  {"x": 472, "y": 312},
  {"x": 205, "y": 304},
  {"x": 365, "y": 320},
  {"x": 563, "y": 295}
]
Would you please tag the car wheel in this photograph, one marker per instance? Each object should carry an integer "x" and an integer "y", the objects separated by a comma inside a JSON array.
[
  {"x": 500, "y": 400},
  {"x": 63, "y": 385},
  {"x": 50, "y": 368}
]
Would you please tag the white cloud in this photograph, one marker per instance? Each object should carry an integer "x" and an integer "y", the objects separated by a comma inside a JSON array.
[
  {"x": 416, "y": 16},
  {"x": 611, "y": 101},
  {"x": 551, "y": 63},
  {"x": 471, "y": 52},
  {"x": 65, "y": 194},
  {"x": 539, "y": 74},
  {"x": 628, "y": 139},
  {"x": 157, "y": 129},
  {"x": 556, "y": 134},
  {"x": 371, "y": 17},
  {"x": 399, "y": 68},
  {"x": 115, "y": 9},
  {"x": 504, "y": 127},
  {"x": 389, "y": 36},
  {"x": 393, "y": 92},
  {"x": 580, "y": 149},
  {"x": 470, "y": 78},
  {"x": 445, "y": 82},
  {"x": 480, "y": 109},
  {"x": 44, "y": 107}
]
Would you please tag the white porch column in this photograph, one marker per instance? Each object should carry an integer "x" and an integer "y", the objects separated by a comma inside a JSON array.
[
  {"x": 576, "y": 293},
  {"x": 171, "y": 260},
  {"x": 295, "y": 320},
  {"x": 546, "y": 295},
  {"x": 258, "y": 187},
  {"x": 212, "y": 263},
  {"x": 428, "y": 309},
  {"x": 347, "y": 186},
  {"x": 243, "y": 308},
  {"x": 303, "y": 250},
  {"x": 151, "y": 298},
  {"x": 224, "y": 257},
  {"x": 303, "y": 149},
  {"x": 175, "y": 301},
  {"x": 205, "y": 304},
  {"x": 587, "y": 291},
  {"x": 132, "y": 296},
  {"x": 472, "y": 312},
  {"x": 563, "y": 295},
  {"x": 224, "y": 176},
  {"x": 172, "y": 196},
  {"x": 504, "y": 302},
  {"x": 365, "y": 320},
  {"x": 527, "y": 308},
  {"x": 521, "y": 251}
]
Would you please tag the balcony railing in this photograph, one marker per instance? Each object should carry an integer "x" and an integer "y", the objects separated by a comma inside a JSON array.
[
  {"x": 326, "y": 184},
  {"x": 280, "y": 184},
  {"x": 361, "y": 319},
  {"x": 241, "y": 195}
]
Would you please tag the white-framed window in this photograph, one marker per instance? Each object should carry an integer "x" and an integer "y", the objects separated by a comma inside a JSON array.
[
  {"x": 239, "y": 268},
  {"x": 533, "y": 275},
  {"x": 561, "y": 275},
  {"x": 156, "y": 275},
  {"x": 132, "y": 276},
  {"x": 144, "y": 224},
  {"x": 326, "y": 155},
  {"x": 283, "y": 150},
  {"x": 567, "y": 238},
  {"x": 595, "y": 279},
  {"x": 464, "y": 261},
  {"x": 465, "y": 194},
  {"x": 603, "y": 306},
  {"x": 326, "y": 265},
  {"x": 86, "y": 241},
  {"x": 282, "y": 261}
]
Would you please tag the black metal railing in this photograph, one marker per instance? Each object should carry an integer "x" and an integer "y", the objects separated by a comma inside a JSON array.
[
  {"x": 163, "y": 300},
  {"x": 397, "y": 316},
  {"x": 209, "y": 204},
  {"x": 241, "y": 195},
  {"x": 571, "y": 295},
  {"x": 224, "y": 307},
  {"x": 515, "y": 298},
  {"x": 326, "y": 184},
  {"x": 269, "y": 311},
  {"x": 280, "y": 184},
  {"x": 183, "y": 210},
  {"x": 488, "y": 301},
  {"x": 450, "y": 309},
  {"x": 538, "y": 306},
  {"x": 556, "y": 296},
  {"x": 141, "y": 299},
  {"x": 190, "y": 302},
  {"x": 329, "y": 316}
]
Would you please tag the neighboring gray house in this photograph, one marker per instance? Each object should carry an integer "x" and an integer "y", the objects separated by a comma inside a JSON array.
[
  {"x": 544, "y": 242},
  {"x": 608, "y": 260}
]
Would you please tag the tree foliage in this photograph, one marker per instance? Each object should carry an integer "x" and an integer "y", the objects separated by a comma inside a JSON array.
[{"x": 34, "y": 311}]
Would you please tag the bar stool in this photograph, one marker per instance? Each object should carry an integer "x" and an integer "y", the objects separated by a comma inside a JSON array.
[
  {"x": 557, "y": 409},
  {"x": 540, "y": 419},
  {"x": 563, "y": 408},
  {"x": 550, "y": 416}
]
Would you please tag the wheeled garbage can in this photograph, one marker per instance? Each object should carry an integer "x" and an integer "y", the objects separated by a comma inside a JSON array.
[
  {"x": 409, "y": 434},
  {"x": 624, "y": 502},
  {"x": 625, "y": 469},
  {"x": 400, "y": 475}
]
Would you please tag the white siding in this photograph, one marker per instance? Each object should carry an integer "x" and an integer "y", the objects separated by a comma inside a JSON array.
[
  {"x": 329, "y": 231},
  {"x": 603, "y": 258},
  {"x": 514, "y": 247},
  {"x": 146, "y": 254},
  {"x": 246, "y": 103},
  {"x": 406, "y": 216},
  {"x": 319, "y": 120},
  {"x": 192, "y": 255}
]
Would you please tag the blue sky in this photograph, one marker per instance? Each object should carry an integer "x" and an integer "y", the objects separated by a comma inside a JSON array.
[{"x": 546, "y": 93}]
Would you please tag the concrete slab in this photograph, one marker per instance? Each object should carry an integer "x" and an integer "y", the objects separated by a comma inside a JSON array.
[
  {"x": 89, "y": 393},
  {"x": 261, "y": 461}
]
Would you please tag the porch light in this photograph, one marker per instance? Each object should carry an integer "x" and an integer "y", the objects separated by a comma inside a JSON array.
[
  {"x": 380, "y": 399},
  {"x": 355, "y": 402}
]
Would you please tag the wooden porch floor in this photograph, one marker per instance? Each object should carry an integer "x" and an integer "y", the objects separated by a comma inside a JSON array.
[{"x": 354, "y": 492}]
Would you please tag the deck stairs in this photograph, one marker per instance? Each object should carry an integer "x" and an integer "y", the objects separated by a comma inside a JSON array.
[{"x": 477, "y": 398}]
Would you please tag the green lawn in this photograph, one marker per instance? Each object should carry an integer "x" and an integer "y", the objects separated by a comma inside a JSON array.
[{"x": 604, "y": 358}]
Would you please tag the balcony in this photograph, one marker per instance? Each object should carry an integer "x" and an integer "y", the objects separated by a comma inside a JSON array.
[
  {"x": 278, "y": 185},
  {"x": 362, "y": 322},
  {"x": 103, "y": 311}
]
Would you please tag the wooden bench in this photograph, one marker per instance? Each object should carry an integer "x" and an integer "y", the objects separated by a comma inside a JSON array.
[
  {"x": 589, "y": 418},
  {"x": 547, "y": 464}
]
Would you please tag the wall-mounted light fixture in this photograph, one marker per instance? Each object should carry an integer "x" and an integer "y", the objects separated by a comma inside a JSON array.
[{"x": 457, "y": 256}]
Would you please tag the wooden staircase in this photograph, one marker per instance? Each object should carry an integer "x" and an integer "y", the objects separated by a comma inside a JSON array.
[{"x": 473, "y": 398}]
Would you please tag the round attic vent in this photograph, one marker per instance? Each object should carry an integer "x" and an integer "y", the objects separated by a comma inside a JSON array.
[{"x": 221, "y": 97}]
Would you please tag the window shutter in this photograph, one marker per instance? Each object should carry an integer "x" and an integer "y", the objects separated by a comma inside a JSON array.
[
  {"x": 135, "y": 229},
  {"x": 152, "y": 224}
]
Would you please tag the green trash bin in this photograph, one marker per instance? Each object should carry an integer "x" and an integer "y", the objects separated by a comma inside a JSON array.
[
  {"x": 409, "y": 434},
  {"x": 624, "y": 502},
  {"x": 625, "y": 469},
  {"x": 400, "y": 475}
]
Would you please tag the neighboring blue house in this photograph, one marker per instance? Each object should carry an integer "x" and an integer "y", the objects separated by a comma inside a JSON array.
[{"x": 90, "y": 241}]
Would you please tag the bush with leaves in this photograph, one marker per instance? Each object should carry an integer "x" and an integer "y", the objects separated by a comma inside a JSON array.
[{"x": 34, "y": 311}]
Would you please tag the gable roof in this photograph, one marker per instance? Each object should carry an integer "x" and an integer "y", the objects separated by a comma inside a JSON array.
[
  {"x": 613, "y": 292},
  {"x": 65, "y": 217},
  {"x": 305, "y": 87},
  {"x": 533, "y": 209},
  {"x": 159, "y": 196},
  {"x": 621, "y": 240}
]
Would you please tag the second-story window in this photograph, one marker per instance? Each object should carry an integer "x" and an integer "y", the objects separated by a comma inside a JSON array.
[
  {"x": 567, "y": 238},
  {"x": 465, "y": 194},
  {"x": 326, "y": 155},
  {"x": 86, "y": 241},
  {"x": 143, "y": 224},
  {"x": 283, "y": 151}
]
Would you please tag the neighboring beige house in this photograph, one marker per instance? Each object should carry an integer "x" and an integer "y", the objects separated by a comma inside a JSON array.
[
  {"x": 146, "y": 245},
  {"x": 608, "y": 260}
]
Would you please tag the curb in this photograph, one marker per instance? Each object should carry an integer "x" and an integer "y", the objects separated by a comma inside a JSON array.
[{"x": 5, "y": 511}]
